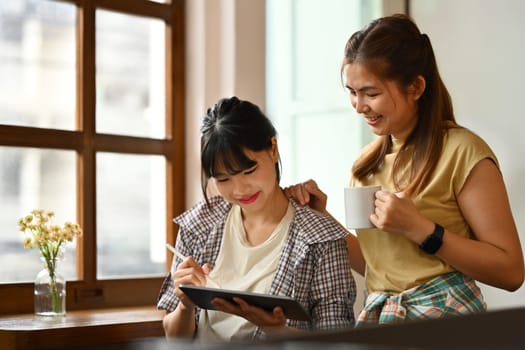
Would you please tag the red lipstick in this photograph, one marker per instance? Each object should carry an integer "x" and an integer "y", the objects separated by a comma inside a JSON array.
[{"x": 250, "y": 199}]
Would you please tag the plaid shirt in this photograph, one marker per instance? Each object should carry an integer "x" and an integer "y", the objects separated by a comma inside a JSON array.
[
  {"x": 313, "y": 268},
  {"x": 447, "y": 295}
]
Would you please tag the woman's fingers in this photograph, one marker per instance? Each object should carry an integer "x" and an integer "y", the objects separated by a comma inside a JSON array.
[
  {"x": 254, "y": 314},
  {"x": 299, "y": 193},
  {"x": 189, "y": 272},
  {"x": 308, "y": 193}
]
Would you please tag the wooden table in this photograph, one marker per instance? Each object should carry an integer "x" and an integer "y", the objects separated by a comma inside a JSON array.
[{"x": 80, "y": 328}]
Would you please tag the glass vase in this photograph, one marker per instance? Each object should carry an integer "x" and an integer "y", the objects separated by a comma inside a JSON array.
[{"x": 50, "y": 290}]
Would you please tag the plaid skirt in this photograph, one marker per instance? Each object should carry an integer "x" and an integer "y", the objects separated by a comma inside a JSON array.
[{"x": 448, "y": 295}]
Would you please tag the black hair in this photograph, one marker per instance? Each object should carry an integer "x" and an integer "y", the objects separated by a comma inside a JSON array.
[{"x": 228, "y": 129}]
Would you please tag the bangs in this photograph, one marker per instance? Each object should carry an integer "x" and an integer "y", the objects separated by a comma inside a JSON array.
[{"x": 223, "y": 156}]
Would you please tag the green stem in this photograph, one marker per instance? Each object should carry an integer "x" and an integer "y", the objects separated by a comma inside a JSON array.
[
  {"x": 50, "y": 253},
  {"x": 56, "y": 305}
]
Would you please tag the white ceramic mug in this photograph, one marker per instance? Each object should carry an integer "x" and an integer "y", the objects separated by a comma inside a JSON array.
[{"x": 359, "y": 205}]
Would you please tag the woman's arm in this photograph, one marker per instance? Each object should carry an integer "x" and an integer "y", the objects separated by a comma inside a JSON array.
[
  {"x": 180, "y": 323},
  {"x": 495, "y": 256},
  {"x": 355, "y": 256}
]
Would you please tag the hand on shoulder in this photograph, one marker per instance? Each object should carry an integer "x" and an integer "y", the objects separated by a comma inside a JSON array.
[{"x": 308, "y": 193}]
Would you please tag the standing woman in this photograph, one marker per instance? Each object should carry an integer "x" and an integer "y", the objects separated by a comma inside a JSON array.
[
  {"x": 255, "y": 238},
  {"x": 442, "y": 219}
]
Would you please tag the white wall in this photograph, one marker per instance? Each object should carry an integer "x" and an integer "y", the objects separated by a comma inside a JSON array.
[{"x": 480, "y": 49}]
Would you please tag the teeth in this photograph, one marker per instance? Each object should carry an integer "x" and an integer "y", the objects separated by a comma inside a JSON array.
[{"x": 372, "y": 118}]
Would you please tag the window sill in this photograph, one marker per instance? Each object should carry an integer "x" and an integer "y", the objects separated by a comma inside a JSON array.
[{"x": 80, "y": 328}]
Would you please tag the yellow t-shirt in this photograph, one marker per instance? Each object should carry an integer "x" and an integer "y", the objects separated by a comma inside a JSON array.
[{"x": 393, "y": 262}]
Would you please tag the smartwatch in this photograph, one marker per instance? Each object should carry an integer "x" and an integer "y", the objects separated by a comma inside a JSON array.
[{"x": 433, "y": 242}]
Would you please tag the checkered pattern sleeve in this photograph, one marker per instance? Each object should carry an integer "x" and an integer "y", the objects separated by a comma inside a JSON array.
[
  {"x": 197, "y": 237},
  {"x": 332, "y": 287},
  {"x": 315, "y": 270}
]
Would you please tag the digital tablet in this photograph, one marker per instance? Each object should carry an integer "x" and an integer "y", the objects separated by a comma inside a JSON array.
[{"x": 202, "y": 297}]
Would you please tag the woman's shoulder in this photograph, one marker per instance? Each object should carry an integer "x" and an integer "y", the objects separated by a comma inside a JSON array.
[
  {"x": 460, "y": 135},
  {"x": 466, "y": 147},
  {"x": 316, "y": 227},
  {"x": 463, "y": 138}
]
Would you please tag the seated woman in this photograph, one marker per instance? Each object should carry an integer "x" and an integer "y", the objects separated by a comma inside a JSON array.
[{"x": 253, "y": 238}]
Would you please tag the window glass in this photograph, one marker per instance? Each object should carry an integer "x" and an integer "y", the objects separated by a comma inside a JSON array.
[
  {"x": 131, "y": 215},
  {"x": 37, "y": 64},
  {"x": 34, "y": 179},
  {"x": 130, "y": 75},
  {"x": 47, "y": 88},
  {"x": 305, "y": 95}
]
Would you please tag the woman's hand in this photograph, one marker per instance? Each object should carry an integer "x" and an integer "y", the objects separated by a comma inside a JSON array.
[
  {"x": 189, "y": 273},
  {"x": 268, "y": 321},
  {"x": 308, "y": 193},
  {"x": 396, "y": 213}
]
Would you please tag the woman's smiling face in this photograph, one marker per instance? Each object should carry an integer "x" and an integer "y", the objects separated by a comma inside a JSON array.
[
  {"x": 386, "y": 108},
  {"x": 251, "y": 188}
]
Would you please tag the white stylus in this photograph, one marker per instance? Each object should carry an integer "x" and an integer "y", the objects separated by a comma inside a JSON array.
[{"x": 175, "y": 251}]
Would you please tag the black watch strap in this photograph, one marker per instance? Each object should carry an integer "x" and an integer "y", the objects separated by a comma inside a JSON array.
[{"x": 433, "y": 242}]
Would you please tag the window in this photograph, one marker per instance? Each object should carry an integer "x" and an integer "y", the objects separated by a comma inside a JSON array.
[
  {"x": 305, "y": 96},
  {"x": 320, "y": 135},
  {"x": 91, "y": 127}
]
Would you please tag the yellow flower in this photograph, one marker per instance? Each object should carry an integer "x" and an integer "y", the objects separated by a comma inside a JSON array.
[
  {"x": 28, "y": 242},
  {"x": 40, "y": 232},
  {"x": 22, "y": 225}
]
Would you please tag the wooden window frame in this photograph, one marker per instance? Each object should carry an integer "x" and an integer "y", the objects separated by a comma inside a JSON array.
[{"x": 88, "y": 292}]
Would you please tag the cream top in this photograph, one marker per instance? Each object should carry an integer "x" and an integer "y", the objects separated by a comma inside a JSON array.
[{"x": 244, "y": 267}]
